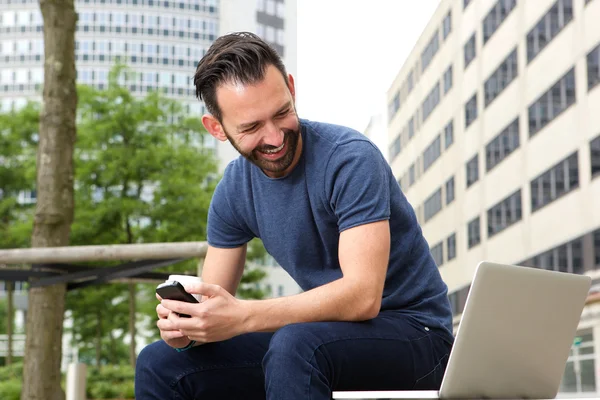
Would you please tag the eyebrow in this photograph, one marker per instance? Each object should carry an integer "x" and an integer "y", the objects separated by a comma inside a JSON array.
[{"x": 246, "y": 125}]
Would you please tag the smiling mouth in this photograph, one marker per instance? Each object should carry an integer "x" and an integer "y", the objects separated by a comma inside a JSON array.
[{"x": 274, "y": 151}]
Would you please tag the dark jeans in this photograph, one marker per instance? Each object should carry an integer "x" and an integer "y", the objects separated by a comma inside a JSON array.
[{"x": 299, "y": 361}]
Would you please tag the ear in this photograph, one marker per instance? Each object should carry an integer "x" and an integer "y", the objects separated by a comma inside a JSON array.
[
  {"x": 214, "y": 127},
  {"x": 292, "y": 86}
]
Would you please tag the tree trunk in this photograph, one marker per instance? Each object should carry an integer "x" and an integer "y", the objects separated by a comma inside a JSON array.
[
  {"x": 10, "y": 317},
  {"x": 54, "y": 208},
  {"x": 132, "y": 311}
]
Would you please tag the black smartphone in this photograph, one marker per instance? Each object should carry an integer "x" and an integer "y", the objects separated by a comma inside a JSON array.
[{"x": 173, "y": 290}]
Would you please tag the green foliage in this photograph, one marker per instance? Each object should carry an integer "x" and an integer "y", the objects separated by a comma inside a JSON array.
[
  {"x": 10, "y": 381},
  {"x": 3, "y": 316},
  {"x": 10, "y": 389},
  {"x": 110, "y": 382},
  {"x": 13, "y": 371},
  {"x": 18, "y": 142}
]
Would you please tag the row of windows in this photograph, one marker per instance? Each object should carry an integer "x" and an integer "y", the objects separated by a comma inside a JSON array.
[
  {"x": 135, "y": 20},
  {"x": 429, "y": 156},
  {"x": 501, "y": 77},
  {"x": 470, "y": 50},
  {"x": 447, "y": 25},
  {"x": 430, "y": 102},
  {"x": 549, "y": 105},
  {"x": 438, "y": 250},
  {"x": 448, "y": 79},
  {"x": 108, "y": 58},
  {"x": 432, "y": 205},
  {"x": 139, "y": 48},
  {"x": 472, "y": 172},
  {"x": 502, "y": 145},
  {"x": 576, "y": 256},
  {"x": 209, "y": 6},
  {"x": 504, "y": 214},
  {"x": 471, "y": 110},
  {"x": 552, "y": 103},
  {"x": 427, "y": 55},
  {"x": 496, "y": 16},
  {"x": 595, "y": 156},
  {"x": 430, "y": 50},
  {"x": 555, "y": 182},
  {"x": 548, "y": 27},
  {"x": 271, "y": 7},
  {"x": 432, "y": 153},
  {"x": 593, "y": 67}
]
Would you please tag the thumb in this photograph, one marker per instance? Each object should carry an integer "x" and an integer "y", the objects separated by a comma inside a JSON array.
[{"x": 205, "y": 289}]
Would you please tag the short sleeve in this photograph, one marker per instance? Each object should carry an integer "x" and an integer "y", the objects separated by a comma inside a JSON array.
[
  {"x": 357, "y": 185},
  {"x": 224, "y": 229}
]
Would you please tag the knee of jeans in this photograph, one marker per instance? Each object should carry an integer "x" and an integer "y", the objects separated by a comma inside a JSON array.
[
  {"x": 147, "y": 359},
  {"x": 294, "y": 340}
]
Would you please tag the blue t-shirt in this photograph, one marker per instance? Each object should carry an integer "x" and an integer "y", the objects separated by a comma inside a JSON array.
[{"x": 340, "y": 181}]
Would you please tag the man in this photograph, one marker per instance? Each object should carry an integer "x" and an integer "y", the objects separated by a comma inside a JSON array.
[{"x": 374, "y": 314}]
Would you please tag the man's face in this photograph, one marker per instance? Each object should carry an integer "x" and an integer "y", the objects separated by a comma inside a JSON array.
[{"x": 261, "y": 122}]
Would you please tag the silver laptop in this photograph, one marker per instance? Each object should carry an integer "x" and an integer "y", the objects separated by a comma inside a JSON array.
[{"x": 513, "y": 339}]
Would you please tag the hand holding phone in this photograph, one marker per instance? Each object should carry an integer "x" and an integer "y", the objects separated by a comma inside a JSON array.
[{"x": 173, "y": 290}]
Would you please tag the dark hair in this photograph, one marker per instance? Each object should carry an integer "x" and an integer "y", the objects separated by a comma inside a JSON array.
[{"x": 239, "y": 57}]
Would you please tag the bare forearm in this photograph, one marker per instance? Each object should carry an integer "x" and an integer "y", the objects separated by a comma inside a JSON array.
[{"x": 339, "y": 300}]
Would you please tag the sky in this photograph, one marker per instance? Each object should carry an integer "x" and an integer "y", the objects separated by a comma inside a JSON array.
[{"x": 350, "y": 51}]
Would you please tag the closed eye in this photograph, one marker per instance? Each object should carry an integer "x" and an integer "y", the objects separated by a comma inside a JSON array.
[{"x": 282, "y": 113}]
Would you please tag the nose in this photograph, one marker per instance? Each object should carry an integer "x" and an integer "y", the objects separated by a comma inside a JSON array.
[{"x": 273, "y": 135}]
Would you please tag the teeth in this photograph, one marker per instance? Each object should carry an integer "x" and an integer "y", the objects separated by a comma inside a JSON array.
[{"x": 274, "y": 150}]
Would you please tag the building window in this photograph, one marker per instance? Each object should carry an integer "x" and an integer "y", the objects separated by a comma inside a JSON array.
[
  {"x": 411, "y": 175},
  {"x": 580, "y": 375},
  {"x": 411, "y": 127},
  {"x": 432, "y": 153},
  {"x": 447, "y": 25},
  {"x": 501, "y": 77},
  {"x": 437, "y": 253},
  {"x": 597, "y": 247},
  {"x": 502, "y": 145},
  {"x": 555, "y": 182},
  {"x": 593, "y": 67},
  {"x": 395, "y": 148},
  {"x": 496, "y": 17},
  {"x": 448, "y": 79},
  {"x": 466, "y": 3},
  {"x": 552, "y": 103},
  {"x": 449, "y": 134},
  {"x": 394, "y": 106},
  {"x": 433, "y": 205},
  {"x": 449, "y": 190},
  {"x": 504, "y": 214},
  {"x": 473, "y": 170},
  {"x": 595, "y": 156},
  {"x": 548, "y": 27},
  {"x": 470, "y": 50},
  {"x": 430, "y": 50},
  {"x": 471, "y": 110},
  {"x": 451, "y": 246},
  {"x": 474, "y": 233},
  {"x": 431, "y": 102}
]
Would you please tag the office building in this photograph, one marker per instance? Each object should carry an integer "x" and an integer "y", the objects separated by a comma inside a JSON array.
[{"x": 494, "y": 136}]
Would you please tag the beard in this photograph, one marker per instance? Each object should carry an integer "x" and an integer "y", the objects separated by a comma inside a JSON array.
[{"x": 290, "y": 138}]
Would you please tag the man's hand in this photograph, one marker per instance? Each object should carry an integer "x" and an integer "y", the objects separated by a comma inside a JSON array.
[
  {"x": 172, "y": 336},
  {"x": 218, "y": 317}
]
